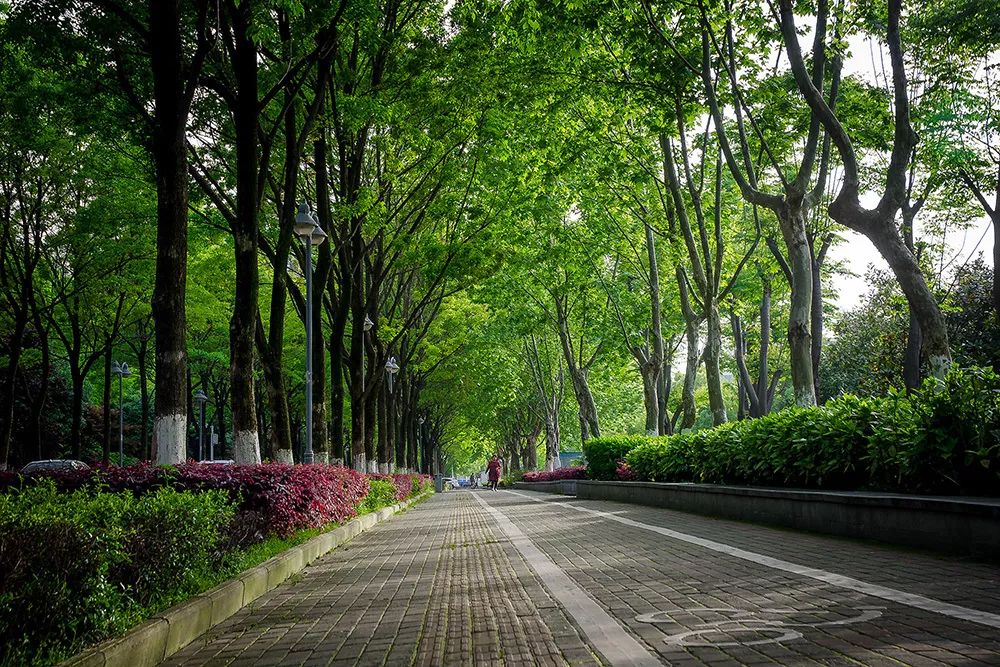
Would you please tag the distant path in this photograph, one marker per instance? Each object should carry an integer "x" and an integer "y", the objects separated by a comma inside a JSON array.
[{"x": 623, "y": 584}]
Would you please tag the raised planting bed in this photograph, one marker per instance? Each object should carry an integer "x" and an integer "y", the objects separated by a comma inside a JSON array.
[
  {"x": 169, "y": 631},
  {"x": 955, "y": 525}
]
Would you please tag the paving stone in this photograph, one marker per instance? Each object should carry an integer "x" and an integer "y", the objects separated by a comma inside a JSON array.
[{"x": 443, "y": 585}]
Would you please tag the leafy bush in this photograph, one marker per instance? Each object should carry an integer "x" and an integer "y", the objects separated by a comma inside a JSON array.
[
  {"x": 279, "y": 497},
  {"x": 578, "y": 472},
  {"x": 407, "y": 484},
  {"x": 76, "y": 568},
  {"x": 381, "y": 493},
  {"x": 943, "y": 439},
  {"x": 603, "y": 454}
]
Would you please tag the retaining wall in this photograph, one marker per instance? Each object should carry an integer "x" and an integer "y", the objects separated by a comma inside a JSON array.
[{"x": 963, "y": 526}]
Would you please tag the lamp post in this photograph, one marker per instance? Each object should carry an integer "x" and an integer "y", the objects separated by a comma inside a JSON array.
[
  {"x": 308, "y": 229},
  {"x": 420, "y": 442},
  {"x": 122, "y": 371},
  {"x": 201, "y": 399},
  {"x": 391, "y": 367}
]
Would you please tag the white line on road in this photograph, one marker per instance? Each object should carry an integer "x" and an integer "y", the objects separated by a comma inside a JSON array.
[
  {"x": 606, "y": 634},
  {"x": 875, "y": 590}
]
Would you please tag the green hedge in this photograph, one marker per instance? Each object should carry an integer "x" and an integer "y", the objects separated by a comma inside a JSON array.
[
  {"x": 76, "y": 568},
  {"x": 943, "y": 439},
  {"x": 603, "y": 454}
]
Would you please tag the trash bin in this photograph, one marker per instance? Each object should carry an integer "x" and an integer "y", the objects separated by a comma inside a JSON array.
[{"x": 439, "y": 483}]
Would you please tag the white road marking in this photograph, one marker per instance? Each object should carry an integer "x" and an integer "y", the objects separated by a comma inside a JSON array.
[
  {"x": 606, "y": 634},
  {"x": 874, "y": 590}
]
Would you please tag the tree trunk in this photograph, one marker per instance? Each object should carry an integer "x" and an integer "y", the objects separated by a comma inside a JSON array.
[
  {"x": 242, "y": 327},
  {"x": 368, "y": 402},
  {"x": 763, "y": 371},
  {"x": 357, "y": 357},
  {"x": 793, "y": 229},
  {"x": 688, "y": 408},
  {"x": 106, "y": 400},
  {"x": 144, "y": 397},
  {"x": 713, "y": 349},
  {"x": 552, "y": 441},
  {"x": 655, "y": 319},
  {"x": 170, "y": 164},
  {"x": 76, "y": 405},
  {"x": 816, "y": 322}
]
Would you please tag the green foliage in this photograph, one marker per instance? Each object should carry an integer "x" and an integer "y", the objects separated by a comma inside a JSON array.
[
  {"x": 943, "y": 439},
  {"x": 381, "y": 494},
  {"x": 77, "y": 568},
  {"x": 603, "y": 454}
]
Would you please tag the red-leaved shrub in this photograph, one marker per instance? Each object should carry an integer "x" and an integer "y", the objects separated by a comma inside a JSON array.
[
  {"x": 576, "y": 472},
  {"x": 276, "y": 498}
]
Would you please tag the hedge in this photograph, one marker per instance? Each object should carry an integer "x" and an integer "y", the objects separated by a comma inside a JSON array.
[
  {"x": 76, "y": 568},
  {"x": 944, "y": 438},
  {"x": 83, "y": 557},
  {"x": 603, "y": 454},
  {"x": 576, "y": 472}
]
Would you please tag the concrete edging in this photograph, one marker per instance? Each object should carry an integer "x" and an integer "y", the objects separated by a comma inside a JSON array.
[
  {"x": 167, "y": 632},
  {"x": 955, "y": 525}
]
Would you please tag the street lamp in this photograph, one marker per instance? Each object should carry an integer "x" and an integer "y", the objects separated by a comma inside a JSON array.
[
  {"x": 122, "y": 371},
  {"x": 367, "y": 325},
  {"x": 308, "y": 229},
  {"x": 420, "y": 443},
  {"x": 201, "y": 399},
  {"x": 391, "y": 367}
]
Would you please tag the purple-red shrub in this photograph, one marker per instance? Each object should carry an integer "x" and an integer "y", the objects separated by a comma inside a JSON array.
[
  {"x": 282, "y": 497},
  {"x": 576, "y": 472},
  {"x": 624, "y": 473}
]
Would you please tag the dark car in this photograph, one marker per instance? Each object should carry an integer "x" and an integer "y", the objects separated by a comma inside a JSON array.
[{"x": 54, "y": 465}]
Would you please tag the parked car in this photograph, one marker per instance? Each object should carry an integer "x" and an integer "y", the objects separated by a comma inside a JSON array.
[
  {"x": 54, "y": 465},
  {"x": 450, "y": 483}
]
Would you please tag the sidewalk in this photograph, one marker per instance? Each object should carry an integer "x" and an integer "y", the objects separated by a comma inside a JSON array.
[
  {"x": 436, "y": 585},
  {"x": 623, "y": 585}
]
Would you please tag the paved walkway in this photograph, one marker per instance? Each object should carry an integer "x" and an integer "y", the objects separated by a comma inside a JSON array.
[{"x": 522, "y": 578}]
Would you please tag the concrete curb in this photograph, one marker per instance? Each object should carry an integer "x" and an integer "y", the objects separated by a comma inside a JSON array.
[
  {"x": 162, "y": 635},
  {"x": 961, "y": 526}
]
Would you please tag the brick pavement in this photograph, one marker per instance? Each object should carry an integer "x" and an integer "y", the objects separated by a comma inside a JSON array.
[
  {"x": 435, "y": 585},
  {"x": 414, "y": 591},
  {"x": 718, "y": 609}
]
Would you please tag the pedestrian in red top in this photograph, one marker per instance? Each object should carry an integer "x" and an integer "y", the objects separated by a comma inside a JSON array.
[{"x": 493, "y": 467}]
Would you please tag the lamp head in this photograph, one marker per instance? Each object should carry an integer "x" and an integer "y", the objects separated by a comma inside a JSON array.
[
  {"x": 391, "y": 367},
  {"x": 304, "y": 222}
]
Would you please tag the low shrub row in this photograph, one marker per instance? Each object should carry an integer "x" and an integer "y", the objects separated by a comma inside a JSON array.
[
  {"x": 576, "y": 472},
  {"x": 276, "y": 498},
  {"x": 604, "y": 454},
  {"x": 944, "y": 438},
  {"x": 85, "y": 556}
]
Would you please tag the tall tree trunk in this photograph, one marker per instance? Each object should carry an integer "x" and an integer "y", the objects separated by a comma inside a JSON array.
[
  {"x": 357, "y": 356},
  {"x": 688, "y": 408},
  {"x": 368, "y": 402},
  {"x": 106, "y": 401},
  {"x": 242, "y": 327},
  {"x": 170, "y": 112},
  {"x": 792, "y": 219},
  {"x": 9, "y": 389},
  {"x": 713, "y": 375},
  {"x": 143, "y": 348},
  {"x": 656, "y": 324},
  {"x": 552, "y": 441},
  {"x": 76, "y": 405}
]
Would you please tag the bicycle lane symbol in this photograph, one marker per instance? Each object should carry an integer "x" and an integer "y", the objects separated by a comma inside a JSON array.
[{"x": 727, "y": 627}]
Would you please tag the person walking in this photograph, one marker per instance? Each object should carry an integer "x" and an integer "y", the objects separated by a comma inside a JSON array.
[{"x": 493, "y": 468}]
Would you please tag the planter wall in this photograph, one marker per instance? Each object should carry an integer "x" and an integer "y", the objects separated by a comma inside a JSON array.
[{"x": 962, "y": 526}]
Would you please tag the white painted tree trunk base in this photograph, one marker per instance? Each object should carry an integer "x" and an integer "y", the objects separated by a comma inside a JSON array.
[
  {"x": 372, "y": 467},
  {"x": 283, "y": 456},
  {"x": 169, "y": 439},
  {"x": 383, "y": 468},
  {"x": 359, "y": 463},
  {"x": 246, "y": 447},
  {"x": 336, "y": 462}
]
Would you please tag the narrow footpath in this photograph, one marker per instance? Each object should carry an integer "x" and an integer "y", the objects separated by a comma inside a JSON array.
[{"x": 523, "y": 578}]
